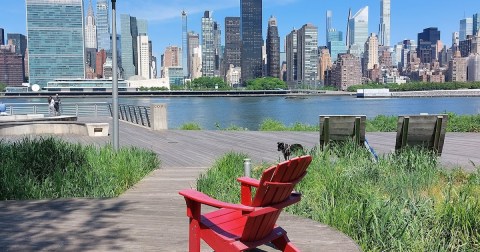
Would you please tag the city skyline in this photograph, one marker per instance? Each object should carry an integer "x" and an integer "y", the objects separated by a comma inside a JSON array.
[{"x": 165, "y": 23}]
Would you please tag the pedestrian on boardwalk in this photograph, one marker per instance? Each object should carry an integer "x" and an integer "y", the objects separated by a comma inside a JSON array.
[
  {"x": 57, "y": 105},
  {"x": 51, "y": 106}
]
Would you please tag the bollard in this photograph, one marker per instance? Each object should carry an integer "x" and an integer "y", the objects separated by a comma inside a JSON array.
[{"x": 246, "y": 167}]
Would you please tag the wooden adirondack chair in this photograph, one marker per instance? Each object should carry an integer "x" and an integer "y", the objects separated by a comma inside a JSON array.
[{"x": 238, "y": 227}]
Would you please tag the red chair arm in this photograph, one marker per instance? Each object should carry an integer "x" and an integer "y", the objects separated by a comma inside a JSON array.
[
  {"x": 202, "y": 198},
  {"x": 246, "y": 189},
  {"x": 249, "y": 181}
]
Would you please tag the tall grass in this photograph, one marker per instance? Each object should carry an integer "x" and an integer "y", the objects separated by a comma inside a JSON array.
[
  {"x": 41, "y": 168},
  {"x": 190, "y": 126},
  {"x": 403, "y": 202}
]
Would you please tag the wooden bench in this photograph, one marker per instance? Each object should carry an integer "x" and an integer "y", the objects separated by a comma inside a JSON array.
[
  {"x": 421, "y": 130},
  {"x": 342, "y": 128}
]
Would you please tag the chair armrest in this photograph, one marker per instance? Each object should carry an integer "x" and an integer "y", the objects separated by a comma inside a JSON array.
[
  {"x": 249, "y": 181},
  {"x": 202, "y": 198}
]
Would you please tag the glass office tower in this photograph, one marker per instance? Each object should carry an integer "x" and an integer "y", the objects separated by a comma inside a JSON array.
[
  {"x": 252, "y": 40},
  {"x": 55, "y": 40}
]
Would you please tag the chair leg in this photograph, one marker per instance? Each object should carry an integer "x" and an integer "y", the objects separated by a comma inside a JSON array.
[
  {"x": 284, "y": 244},
  {"x": 194, "y": 236}
]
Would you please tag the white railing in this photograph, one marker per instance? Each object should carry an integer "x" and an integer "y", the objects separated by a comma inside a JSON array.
[{"x": 80, "y": 109}]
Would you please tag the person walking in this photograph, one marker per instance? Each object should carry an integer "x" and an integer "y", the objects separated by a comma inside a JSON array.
[
  {"x": 57, "y": 105},
  {"x": 51, "y": 106}
]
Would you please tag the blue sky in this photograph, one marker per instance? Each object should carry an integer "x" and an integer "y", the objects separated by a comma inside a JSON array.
[{"x": 409, "y": 17}]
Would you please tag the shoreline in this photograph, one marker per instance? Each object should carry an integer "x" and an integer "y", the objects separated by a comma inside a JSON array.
[{"x": 263, "y": 93}]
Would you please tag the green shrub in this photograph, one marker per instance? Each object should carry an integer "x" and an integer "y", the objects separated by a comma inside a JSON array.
[
  {"x": 43, "y": 168},
  {"x": 190, "y": 126}
]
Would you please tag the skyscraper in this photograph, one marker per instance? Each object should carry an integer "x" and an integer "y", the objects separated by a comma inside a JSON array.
[
  {"x": 20, "y": 42},
  {"x": 328, "y": 24},
  {"x": 476, "y": 23},
  {"x": 370, "y": 56},
  {"x": 307, "y": 51},
  {"x": 2, "y": 36},
  {"x": 233, "y": 44},
  {"x": 143, "y": 58},
  {"x": 217, "y": 45},
  {"x": 55, "y": 40},
  {"x": 273, "y": 49},
  {"x": 103, "y": 26},
  {"x": 291, "y": 55},
  {"x": 129, "y": 31},
  {"x": 466, "y": 28},
  {"x": 426, "y": 43},
  {"x": 252, "y": 41},
  {"x": 358, "y": 30},
  {"x": 11, "y": 66},
  {"x": 90, "y": 28},
  {"x": 208, "y": 48},
  {"x": 193, "y": 41},
  {"x": 384, "y": 28},
  {"x": 185, "y": 44}
]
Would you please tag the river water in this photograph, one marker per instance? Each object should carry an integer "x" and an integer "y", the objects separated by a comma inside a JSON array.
[{"x": 249, "y": 112}]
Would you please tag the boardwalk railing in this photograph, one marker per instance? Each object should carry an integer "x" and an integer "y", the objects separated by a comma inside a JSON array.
[
  {"x": 79, "y": 109},
  {"x": 135, "y": 114}
]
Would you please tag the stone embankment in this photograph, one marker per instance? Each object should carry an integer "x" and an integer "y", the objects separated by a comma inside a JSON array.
[{"x": 438, "y": 93}]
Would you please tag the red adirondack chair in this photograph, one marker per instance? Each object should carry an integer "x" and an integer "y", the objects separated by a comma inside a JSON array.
[{"x": 237, "y": 227}]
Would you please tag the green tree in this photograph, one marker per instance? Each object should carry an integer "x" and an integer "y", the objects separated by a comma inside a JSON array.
[
  {"x": 207, "y": 83},
  {"x": 266, "y": 83},
  {"x": 2, "y": 87}
]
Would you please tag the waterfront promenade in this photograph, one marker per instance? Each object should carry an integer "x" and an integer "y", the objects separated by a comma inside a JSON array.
[{"x": 151, "y": 215}]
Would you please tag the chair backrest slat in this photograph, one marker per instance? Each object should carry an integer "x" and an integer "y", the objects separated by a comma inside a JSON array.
[{"x": 276, "y": 186}]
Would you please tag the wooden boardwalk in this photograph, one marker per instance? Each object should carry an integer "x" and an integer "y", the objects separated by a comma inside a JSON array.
[{"x": 151, "y": 216}]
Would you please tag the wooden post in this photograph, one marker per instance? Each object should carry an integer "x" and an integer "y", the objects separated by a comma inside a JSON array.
[
  {"x": 406, "y": 120},
  {"x": 438, "y": 131},
  {"x": 326, "y": 130},
  {"x": 159, "y": 116},
  {"x": 357, "y": 129}
]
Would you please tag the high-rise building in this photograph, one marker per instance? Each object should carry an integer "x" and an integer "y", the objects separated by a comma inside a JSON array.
[
  {"x": 346, "y": 71},
  {"x": 208, "y": 45},
  {"x": 291, "y": 52},
  {"x": 307, "y": 53},
  {"x": 370, "y": 57},
  {"x": 19, "y": 41},
  {"x": 2, "y": 36},
  {"x": 426, "y": 44},
  {"x": 144, "y": 56},
  {"x": 457, "y": 68},
  {"x": 273, "y": 49},
  {"x": 185, "y": 44},
  {"x": 11, "y": 66},
  {"x": 103, "y": 26},
  {"x": 193, "y": 41},
  {"x": 328, "y": 25},
  {"x": 217, "y": 45},
  {"x": 384, "y": 28},
  {"x": 56, "y": 46},
  {"x": 455, "y": 39},
  {"x": 324, "y": 63},
  {"x": 130, "y": 28},
  {"x": 101, "y": 58},
  {"x": 252, "y": 40},
  {"x": 233, "y": 44},
  {"x": 358, "y": 29},
  {"x": 90, "y": 28},
  {"x": 473, "y": 67},
  {"x": 172, "y": 57},
  {"x": 466, "y": 28},
  {"x": 476, "y": 23},
  {"x": 335, "y": 42}
]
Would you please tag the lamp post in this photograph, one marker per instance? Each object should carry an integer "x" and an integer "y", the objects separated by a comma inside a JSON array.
[{"x": 115, "y": 137}]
